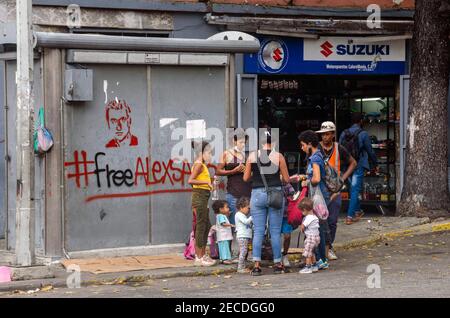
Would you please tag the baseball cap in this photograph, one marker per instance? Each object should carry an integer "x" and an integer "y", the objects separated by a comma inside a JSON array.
[{"x": 326, "y": 127}]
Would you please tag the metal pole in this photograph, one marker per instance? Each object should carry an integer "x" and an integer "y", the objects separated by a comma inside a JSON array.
[{"x": 24, "y": 146}]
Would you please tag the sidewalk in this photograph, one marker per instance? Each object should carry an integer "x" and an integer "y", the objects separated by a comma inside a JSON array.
[{"x": 369, "y": 230}]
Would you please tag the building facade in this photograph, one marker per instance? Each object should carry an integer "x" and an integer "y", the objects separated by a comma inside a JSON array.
[{"x": 315, "y": 61}]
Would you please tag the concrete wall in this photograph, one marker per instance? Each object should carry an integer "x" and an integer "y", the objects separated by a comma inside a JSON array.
[
  {"x": 153, "y": 205},
  {"x": 322, "y": 3}
]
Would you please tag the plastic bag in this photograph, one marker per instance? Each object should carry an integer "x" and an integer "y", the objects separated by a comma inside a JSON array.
[
  {"x": 43, "y": 139},
  {"x": 320, "y": 206}
]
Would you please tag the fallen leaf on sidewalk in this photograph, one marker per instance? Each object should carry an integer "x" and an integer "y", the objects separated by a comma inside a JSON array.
[
  {"x": 166, "y": 290},
  {"x": 47, "y": 288},
  {"x": 254, "y": 284},
  {"x": 228, "y": 276},
  {"x": 120, "y": 281},
  {"x": 267, "y": 285},
  {"x": 213, "y": 286},
  {"x": 32, "y": 291}
]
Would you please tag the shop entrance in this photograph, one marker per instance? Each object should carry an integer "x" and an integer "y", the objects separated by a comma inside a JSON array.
[{"x": 297, "y": 103}]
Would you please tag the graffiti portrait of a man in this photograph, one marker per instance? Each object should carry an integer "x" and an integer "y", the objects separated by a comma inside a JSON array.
[{"x": 118, "y": 118}]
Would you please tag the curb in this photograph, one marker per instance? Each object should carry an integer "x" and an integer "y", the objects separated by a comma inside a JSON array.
[
  {"x": 116, "y": 280},
  {"x": 415, "y": 230}
]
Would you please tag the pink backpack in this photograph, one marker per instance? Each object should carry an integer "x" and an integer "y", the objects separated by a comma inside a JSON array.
[
  {"x": 189, "y": 251},
  {"x": 294, "y": 214},
  {"x": 212, "y": 239}
]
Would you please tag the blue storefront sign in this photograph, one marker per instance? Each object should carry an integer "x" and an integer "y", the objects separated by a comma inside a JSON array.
[{"x": 327, "y": 55}]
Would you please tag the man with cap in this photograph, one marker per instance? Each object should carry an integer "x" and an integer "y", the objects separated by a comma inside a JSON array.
[{"x": 339, "y": 158}]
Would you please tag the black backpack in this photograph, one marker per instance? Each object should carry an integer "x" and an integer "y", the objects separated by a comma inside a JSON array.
[{"x": 351, "y": 143}]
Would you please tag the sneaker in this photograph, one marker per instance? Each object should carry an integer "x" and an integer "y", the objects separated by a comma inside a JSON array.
[
  {"x": 286, "y": 261},
  {"x": 256, "y": 271},
  {"x": 209, "y": 259},
  {"x": 235, "y": 260},
  {"x": 322, "y": 265},
  {"x": 306, "y": 270},
  {"x": 332, "y": 255},
  {"x": 197, "y": 261},
  {"x": 206, "y": 261},
  {"x": 315, "y": 268},
  {"x": 279, "y": 268}
]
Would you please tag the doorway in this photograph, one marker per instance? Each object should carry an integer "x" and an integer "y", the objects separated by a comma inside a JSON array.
[{"x": 297, "y": 103}]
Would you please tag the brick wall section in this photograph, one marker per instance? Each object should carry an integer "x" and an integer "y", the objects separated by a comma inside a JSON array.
[{"x": 387, "y": 4}]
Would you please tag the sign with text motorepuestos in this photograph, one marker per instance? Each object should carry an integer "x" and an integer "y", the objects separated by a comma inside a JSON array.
[{"x": 327, "y": 55}]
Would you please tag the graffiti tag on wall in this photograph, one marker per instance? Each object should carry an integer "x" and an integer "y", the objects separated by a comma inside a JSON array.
[
  {"x": 118, "y": 118},
  {"x": 85, "y": 170}
]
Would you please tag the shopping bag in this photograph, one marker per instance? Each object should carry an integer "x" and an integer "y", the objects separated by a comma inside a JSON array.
[{"x": 320, "y": 206}]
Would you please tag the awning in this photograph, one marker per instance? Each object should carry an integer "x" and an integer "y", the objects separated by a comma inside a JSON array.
[{"x": 111, "y": 42}]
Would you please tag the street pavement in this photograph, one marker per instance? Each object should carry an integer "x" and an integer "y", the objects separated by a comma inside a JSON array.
[{"x": 411, "y": 266}]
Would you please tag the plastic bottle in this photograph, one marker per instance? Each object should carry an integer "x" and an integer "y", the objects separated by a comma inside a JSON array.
[{"x": 215, "y": 190}]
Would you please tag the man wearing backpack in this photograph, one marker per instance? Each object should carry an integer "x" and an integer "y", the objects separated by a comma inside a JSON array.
[
  {"x": 338, "y": 158},
  {"x": 357, "y": 142}
]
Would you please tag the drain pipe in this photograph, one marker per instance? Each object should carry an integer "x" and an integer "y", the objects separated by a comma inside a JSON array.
[{"x": 62, "y": 186}]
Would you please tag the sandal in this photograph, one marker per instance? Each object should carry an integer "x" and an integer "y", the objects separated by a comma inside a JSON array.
[
  {"x": 256, "y": 271},
  {"x": 279, "y": 269},
  {"x": 227, "y": 262},
  {"x": 349, "y": 221}
]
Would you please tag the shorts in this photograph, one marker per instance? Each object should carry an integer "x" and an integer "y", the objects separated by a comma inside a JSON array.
[
  {"x": 286, "y": 228},
  {"x": 311, "y": 242}
]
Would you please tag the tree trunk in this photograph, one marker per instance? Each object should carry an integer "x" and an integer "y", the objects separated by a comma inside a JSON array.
[{"x": 425, "y": 190}]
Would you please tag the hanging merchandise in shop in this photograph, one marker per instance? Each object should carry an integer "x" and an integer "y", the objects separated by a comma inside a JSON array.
[{"x": 327, "y": 55}]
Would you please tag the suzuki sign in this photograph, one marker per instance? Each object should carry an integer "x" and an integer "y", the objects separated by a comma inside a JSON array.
[
  {"x": 327, "y": 55},
  {"x": 343, "y": 49}
]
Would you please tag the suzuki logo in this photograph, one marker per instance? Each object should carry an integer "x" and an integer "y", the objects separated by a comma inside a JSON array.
[
  {"x": 273, "y": 56},
  {"x": 277, "y": 55},
  {"x": 326, "y": 46}
]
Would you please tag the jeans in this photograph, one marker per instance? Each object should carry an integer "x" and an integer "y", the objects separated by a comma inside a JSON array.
[
  {"x": 321, "y": 252},
  {"x": 356, "y": 185},
  {"x": 232, "y": 205},
  {"x": 260, "y": 212},
  {"x": 334, "y": 207}
]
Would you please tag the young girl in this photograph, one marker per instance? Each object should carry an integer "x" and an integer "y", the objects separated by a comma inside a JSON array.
[
  {"x": 201, "y": 184},
  {"x": 310, "y": 227},
  {"x": 244, "y": 231},
  {"x": 223, "y": 230}
]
